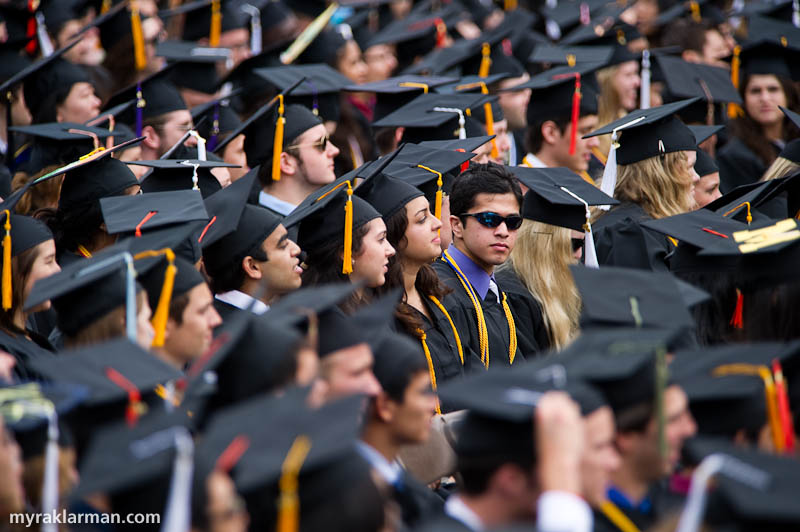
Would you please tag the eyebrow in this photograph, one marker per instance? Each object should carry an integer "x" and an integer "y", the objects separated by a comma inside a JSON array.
[
  {"x": 422, "y": 211},
  {"x": 284, "y": 238}
]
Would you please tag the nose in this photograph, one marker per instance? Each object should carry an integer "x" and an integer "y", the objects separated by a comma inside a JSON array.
[
  {"x": 389, "y": 250},
  {"x": 333, "y": 151},
  {"x": 214, "y": 319},
  {"x": 501, "y": 230},
  {"x": 437, "y": 224},
  {"x": 371, "y": 385},
  {"x": 295, "y": 249},
  {"x": 593, "y": 142}
]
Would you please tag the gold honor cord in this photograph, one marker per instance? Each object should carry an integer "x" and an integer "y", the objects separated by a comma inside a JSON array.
[
  {"x": 616, "y": 516},
  {"x": 452, "y": 326},
  {"x": 431, "y": 371},
  {"x": 483, "y": 333}
]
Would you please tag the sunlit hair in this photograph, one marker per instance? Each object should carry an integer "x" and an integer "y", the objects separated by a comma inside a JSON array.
[
  {"x": 660, "y": 185},
  {"x": 609, "y": 105},
  {"x": 541, "y": 259},
  {"x": 780, "y": 168}
]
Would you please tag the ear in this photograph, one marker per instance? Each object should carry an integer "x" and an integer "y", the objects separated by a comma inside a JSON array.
[
  {"x": 251, "y": 268},
  {"x": 289, "y": 164},
  {"x": 384, "y": 407},
  {"x": 151, "y": 138},
  {"x": 456, "y": 227},
  {"x": 550, "y": 132},
  {"x": 170, "y": 328},
  {"x": 398, "y": 134}
]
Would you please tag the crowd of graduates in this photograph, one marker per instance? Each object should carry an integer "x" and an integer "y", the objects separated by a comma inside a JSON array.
[{"x": 399, "y": 265}]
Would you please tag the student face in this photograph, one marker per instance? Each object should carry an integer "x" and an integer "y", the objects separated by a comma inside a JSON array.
[
  {"x": 175, "y": 126},
  {"x": 349, "y": 372},
  {"x": 502, "y": 141},
  {"x": 282, "y": 269},
  {"x": 691, "y": 158},
  {"x": 626, "y": 82},
  {"x": 423, "y": 243},
  {"x": 44, "y": 265},
  {"x": 381, "y": 61},
  {"x": 238, "y": 42},
  {"x": 715, "y": 49},
  {"x": 188, "y": 340},
  {"x": 411, "y": 419},
  {"x": 578, "y": 161},
  {"x": 144, "y": 329},
  {"x": 707, "y": 189},
  {"x": 80, "y": 105},
  {"x": 234, "y": 154},
  {"x": 225, "y": 510},
  {"x": 351, "y": 64},
  {"x": 315, "y": 161},
  {"x": 600, "y": 458},
  {"x": 372, "y": 262},
  {"x": 762, "y": 96},
  {"x": 487, "y": 246},
  {"x": 515, "y": 103}
]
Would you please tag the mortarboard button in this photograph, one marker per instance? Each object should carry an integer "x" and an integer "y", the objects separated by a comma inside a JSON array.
[{"x": 182, "y": 174}]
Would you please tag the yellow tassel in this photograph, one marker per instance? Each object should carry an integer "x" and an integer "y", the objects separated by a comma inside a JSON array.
[
  {"x": 105, "y": 6},
  {"x": 7, "y": 263},
  {"x": 437, "y": 207},
  {"x": 216, "y": 24},
  {"x": 734, "y": 110},
  {"x": 694, "y": 7},
  {"x": 139, "y": 53},
  {"x": 509, "y": 5},
  {"x": 161, "y": 313},
  {"x": 347, "y": 256},
  {"x": 289, "y": 501},
  {"x": 487, "y": 107},
  {"x": 486, "y": 60},
  {"x": 423, "y": 86},
  {"x": 431, "y": 370},
  {"x": 277, "y": 146}
]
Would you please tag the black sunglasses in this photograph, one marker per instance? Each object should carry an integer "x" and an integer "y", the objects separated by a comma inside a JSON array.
[
  {"x": 577, "y": 243},
  {"x": 492, "y": 219}
]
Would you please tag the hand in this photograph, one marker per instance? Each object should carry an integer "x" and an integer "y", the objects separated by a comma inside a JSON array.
[{"x": 559, "y": 442}]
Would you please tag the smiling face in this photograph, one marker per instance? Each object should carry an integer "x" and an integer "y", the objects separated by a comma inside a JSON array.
[
  {"x": 626, "y": 83},
  {"x": 486, "y": 246},
  {"x": 372, "y": 262}
]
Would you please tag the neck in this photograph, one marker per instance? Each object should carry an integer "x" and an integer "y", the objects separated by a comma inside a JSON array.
[
  {"x": 378, "y": 437},
  {"x": 251, "y": 288},
  {"x": 164, "y": 354},
  {"x": 631, "y": 484},
  {"x": 491, "y": 509},
  {"x": 774, "y": 131},
  {"x": 290, "y": 189},
  {"x": 20, "y": 318},
  {"x": 545, "y": 156},
  {"x": 488, "y": 268},
  {"x": 410, "y": 272}
]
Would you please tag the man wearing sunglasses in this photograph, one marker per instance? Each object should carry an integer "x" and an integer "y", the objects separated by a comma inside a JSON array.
[
  {"x": 304, "y": 165},
  {"x": 484, "y": 214}
]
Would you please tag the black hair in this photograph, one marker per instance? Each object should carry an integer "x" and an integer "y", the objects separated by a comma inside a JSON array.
[
  {"x": 634, "y": 418},
  {"x": 396, "y": 386},
  {"x": 687, "y": 34},
  {"x": 177, "y": 305},
  {"x": 712, "y": 318},
  {"x": 533, "y": 135},
  {"x": 770, "y": 314},
  {"x": 489, "y": 178},
  {"x": 232, "y": 277}
]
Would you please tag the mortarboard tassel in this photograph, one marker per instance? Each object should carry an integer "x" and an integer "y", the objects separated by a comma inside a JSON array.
[
  {"x": 487, "y": 110},
  {"x": 749, "y": 216},
  {"x": 30, "y": 29},
  {"x": 661, "y": 379},
  {"x": 308, "y": 35},
  {"x": 7, "y": 263},
  {"x": 139, "y": 54},
  {"x": 509, "y": 5},
  {"x": 737, "y": 320},
  {"x": 140, "y": 104},
  {"x": 105, "y": 6},
  {"x": 177, "y": 513},
  {"x": 576, "y": 109},
  {"x": 423, "y": 86},
  {"x": 441, "y": 33},
  {"x": 486, "y": 60},
  {"x": 45, "y": 44},
  {"x": 135, "y": 406},
  {"x": 437, "y": 206},
  {"x": 232, "y": 453},
  {"x": 216, "y": 24},
  {"x": 289, "y": 501},
  {"x": 138, "y": 230},
  {"x": 644, "y": 88},
  {"x": 610, "y": 171},
  {"x": 784, "y": 410},
  {"x": 212, "y": 140},
  {"x": 161, "y": 312},
  {"x": 796, "y": 13},
  {"x": 734, "y": 110},
  {"x": 694, "y": 8},
  {"x": 277, "y": 146},
  {"x": 590, "y": 257},
  {"x": 347, "y": 255}
]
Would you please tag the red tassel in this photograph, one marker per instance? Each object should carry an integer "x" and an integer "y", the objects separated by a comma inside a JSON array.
[
  {"x": 441, "y": 33},
  {"x": 465, "y": 164},
  {"x": 576, "y": 109},
  {"x": 737, "y": 321},
  {"x": 784, "y": 410}
]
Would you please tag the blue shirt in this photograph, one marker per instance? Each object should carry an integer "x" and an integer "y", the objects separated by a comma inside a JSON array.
[
  {"x": 621, "y": 500},
  {"x": 476, "y": 275}
]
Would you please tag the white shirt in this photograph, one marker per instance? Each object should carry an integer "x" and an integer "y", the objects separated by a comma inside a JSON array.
[
  {"x": 242, "y": 301},
  {"x": 455, "y": 508},
  {"x": 532, "y": 161},
  {"x": 276, "y": 204},
  {"x": 390, "y": 471}
]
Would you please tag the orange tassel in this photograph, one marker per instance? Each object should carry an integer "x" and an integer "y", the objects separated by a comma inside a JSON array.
[
  {"x": 216, "y": 24},
  {"x": 347, "y": 255},
  {"x": 486, "y": 60},
  {"x": 784, "y": 409},
  {"x": 7, "y": 296},
  {"x": 289, "y": 501},
  {"x": 737, "y": 320},
  {"x": 277, "y": 146},
  {"x": 509, "y": 5},
  {"x": 135, "y": 407},
  {"x": 694, "y": 7},
  {"x": 139, "y": 54},
  {"x": 734, "y": 110}
]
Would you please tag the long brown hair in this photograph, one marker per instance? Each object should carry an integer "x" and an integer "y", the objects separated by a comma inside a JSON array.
[
  {"x": 751, "y": 133},
  {"x": 427, "y": 282},
  {"x": 43, "y": 195},
  {"x": 21, "y": 267}
]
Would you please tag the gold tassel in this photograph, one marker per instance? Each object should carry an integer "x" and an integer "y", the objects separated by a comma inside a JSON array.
[
  {"x": 161, "y": 312},
  {"x": 139, "y": 54},
  {"x": 347, "y": 255},
  {"x": 486, "y": 60},
  {"x": 289, "y": 501},
  {"x": 105, "y": 6},
  {"x": 7, "y": 263},
  {"x": 734, "y": 110},
  {"x": 277, "y": 146},
  {"x": 437, "y": 207},
  {"x": 509, "y": 5},
  {"x": 694, "y": 7},
  {"x": 216, "y": 24},
  {"x": 487, "y": 107}
]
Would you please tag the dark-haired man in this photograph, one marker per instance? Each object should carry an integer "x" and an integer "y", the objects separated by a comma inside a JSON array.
[{"x": 484, "y": 215}]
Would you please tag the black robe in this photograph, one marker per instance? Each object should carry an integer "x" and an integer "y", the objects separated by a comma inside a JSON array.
[
  {"x": 23, "y": 349},
  {"x": 620, "y": 240},
  {"x": 532, "y": 333},
  {"x": 459, "y": 305},
  {"x": 225, "y": 310},
  {"x": 738, "y": 165}
]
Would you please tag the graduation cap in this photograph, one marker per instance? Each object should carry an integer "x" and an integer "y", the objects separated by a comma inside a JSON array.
[
  {"x": 221, "y": 120},
  {"x": 128, "y": 214},
  {"x": 49, "y": 84},
  {"x": 225, "y": 208},
  {"x": 21, "y": 233},
  {"x": 766, "y": 57},
  {"x": 182, "y": 174},
  {"x": 155, "y": 95},
  {"x": 603, "y": 27},
  {"x": 100, "y": 177},
  {"x": 122, "y": 23},
  {"x": 314, "y": 86},
  {"x": 469, "y": 144},
  {"x": 194, "y": 66},
  {"x": 571, "y": 55},
  {"x": 705, "y": 164},
  {"x": 395, "y": 92},
  {"x": 630, "y": 297},
  {"x": 561, "y": 17},
  {"x": 294, "y": 308},
  {"x": 209, "y": 19},
  {"x": 387, "y": 194}
]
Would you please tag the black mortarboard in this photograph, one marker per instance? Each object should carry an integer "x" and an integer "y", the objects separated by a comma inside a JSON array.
[
  {"x": 395, "y": 92},
  {"x": 244, "y": 79},
  {"x": 629, "y": 297},
  {"x": 566, "y": 15},
  {"x": 12, "y": 62},
  {"x": 324, "y": 48},
  {"x": 689, "y": 80},
  {"x": 547, "y": 200},
  {"x": 416, "y": 35},
  {"x": 473, "y": 83},
  {"x": 254, "y": 226},
  {"x": 51, "y": 83},
  {"x": 394, "y": 355},
  {"x": 84, "y": 185},
  {"x": 703, "y": 133},
  {"x": 656, "y": 131},
  {"x": 552, "y": 95},
  {"x": 53, "y": 143},
  {"x": 221, "y": 120},
  {"x": 154, "y": 96},
  {"x": 293, "y": 309},
  {"x": 225, "y": 209},
  {"x": 602, "y": 28},
  {"x": 769, "y": 57},
  {"x": 185, "y": 278},
  {"x": 469, "y": 144},
  {"x": 705, "y": 164},
  {"x": 697, "y": 10},
  {"x": 124, "y": 214},
  {"x": 571, "y": 55},
  {"x": 194, "y": 66},
  {"x": 200, "y": 23},
  {"x": 315, "y": 87},
  {"x": 179, "y": 174},
  {"x": 368, "y": 325},
  {"x": 387, "y": 194}
]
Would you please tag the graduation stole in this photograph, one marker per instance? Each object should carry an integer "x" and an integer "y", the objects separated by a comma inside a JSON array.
[
  {"x": 423, "y": 337},
  {"x": 483, "y": 332}
]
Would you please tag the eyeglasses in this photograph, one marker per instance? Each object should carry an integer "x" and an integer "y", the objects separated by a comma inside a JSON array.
[
  {"x": 492, "y": 219},
  {"x": 321, "y": 144},
  {"x": 577, "y": 243}
]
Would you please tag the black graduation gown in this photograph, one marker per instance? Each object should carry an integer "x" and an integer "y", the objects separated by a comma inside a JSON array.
[
  {"x": 225, "y": 310},
  {"x": 417, "y": 502},
  {"x": 620, "y": 240},
  {"x": 532, "y": 333},
  {"x": 738, "y": 165},
  {"x": 459, "y": 305},
  {"x": 23, "y": 349}
]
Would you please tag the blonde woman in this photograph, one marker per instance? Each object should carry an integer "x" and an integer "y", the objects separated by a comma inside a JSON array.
[
  {"x": 619, "y": 95},
  {"x": 539, "y": 268},
  {"x": 655, "y": 179},
  {"x": 787, "y": 163}
]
